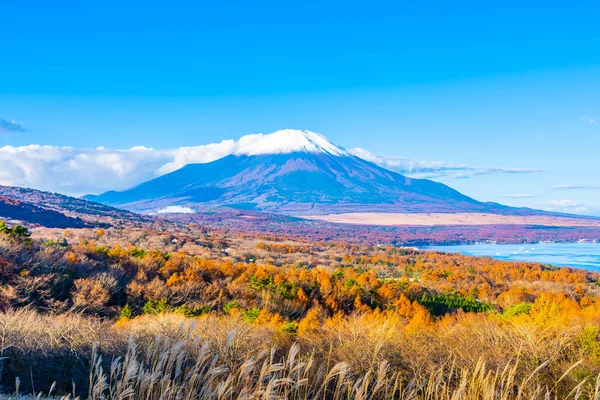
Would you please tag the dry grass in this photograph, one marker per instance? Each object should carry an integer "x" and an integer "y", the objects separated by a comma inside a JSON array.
[
  {"x": 443, "y": 219},
  {"x": 166, "y": 370},
  {"x": 360, "y": 357}
]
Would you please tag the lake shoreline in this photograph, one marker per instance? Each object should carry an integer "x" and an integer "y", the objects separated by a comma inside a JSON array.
[{"x": 584, "y": 255}]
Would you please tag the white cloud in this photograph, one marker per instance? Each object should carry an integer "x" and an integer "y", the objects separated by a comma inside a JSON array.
[
  {"x": 564, "y": 203},
  {"x": 175, "y": 210},
  {"x": 566, "y": 206},
  {"x": 80, "y": 171},
  {"x": 77, "y": 171}
]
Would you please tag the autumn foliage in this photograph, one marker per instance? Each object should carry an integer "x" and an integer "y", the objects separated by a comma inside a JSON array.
[{"x": 340, "y": 303}]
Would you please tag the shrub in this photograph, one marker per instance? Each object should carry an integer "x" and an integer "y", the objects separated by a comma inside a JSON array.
[
  {"x": 257, "y": 283},
  {"x": 3, "y": 228},
  {"x": 191, "y": 312},
  {"x": 287, "y": 290},
  {"x": 230, "y": 306},
  {"x": 517, "y": 309},
  {"x": 290, "y": 327},
  {"x": 137, "y": 253},
  {"x": 348, "y": 283},
  {"x": 441, "y": 304},
  {"x": 126, "y": 313},
  {"x": 18, "y": 232},
  {"x": 251, "y": 314},
  {"x": 155, "y": 306}
]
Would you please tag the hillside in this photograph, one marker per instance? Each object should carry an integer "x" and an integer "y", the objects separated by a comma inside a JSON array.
[
  {"x": 57, "y": 210},
  {"x": 16, "y": 210}
]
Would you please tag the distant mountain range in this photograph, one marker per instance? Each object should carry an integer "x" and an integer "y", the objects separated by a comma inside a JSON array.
[{"x": 298, "y": 173}]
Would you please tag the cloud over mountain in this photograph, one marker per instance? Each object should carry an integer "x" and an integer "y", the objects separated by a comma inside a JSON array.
[
  {"x": 175, "y": 210},
  {"x": 78, "y": 171},
  {"x": 435, "y": 169}
]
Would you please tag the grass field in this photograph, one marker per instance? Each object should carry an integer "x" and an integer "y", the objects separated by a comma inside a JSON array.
[{"x": 442, "y": 219}]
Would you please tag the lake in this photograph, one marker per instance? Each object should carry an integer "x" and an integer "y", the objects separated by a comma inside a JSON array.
[{"x": 578, "y": 255}]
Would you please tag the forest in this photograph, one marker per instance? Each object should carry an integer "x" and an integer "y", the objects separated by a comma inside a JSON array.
[{"x": 115, "y": 313}]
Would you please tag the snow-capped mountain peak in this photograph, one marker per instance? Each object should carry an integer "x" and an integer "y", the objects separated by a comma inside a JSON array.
[{"x": 287, "y": 141}]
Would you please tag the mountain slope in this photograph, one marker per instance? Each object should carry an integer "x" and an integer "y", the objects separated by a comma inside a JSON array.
[
  {"x": 294, "y": 172},
  {"x": 57, "y": 210},
  {"x": 15, "y": 210},
  {"x": 286, "y": 182}
]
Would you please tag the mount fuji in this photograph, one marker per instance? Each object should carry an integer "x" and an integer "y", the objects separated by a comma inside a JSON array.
[{"x": 294, "y": 172}]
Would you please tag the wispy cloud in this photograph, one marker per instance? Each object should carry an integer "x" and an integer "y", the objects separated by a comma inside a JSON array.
[
  {"x": 519, "y": 196},
  {"x": 589, "y": 120},
  {"x": 564, "y": 203},
  {"x": 435, "y": 169},
  {"x": 10, "y": 126},
  {"x": 576, "y": 187},
  {"x": 566, "y": 206}
]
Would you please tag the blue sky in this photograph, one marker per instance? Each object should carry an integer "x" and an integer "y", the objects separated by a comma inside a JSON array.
[{"x": 507, "y": 85}]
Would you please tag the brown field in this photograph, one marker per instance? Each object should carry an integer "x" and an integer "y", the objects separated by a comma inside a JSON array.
[{"x": 442, "y": 219}]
